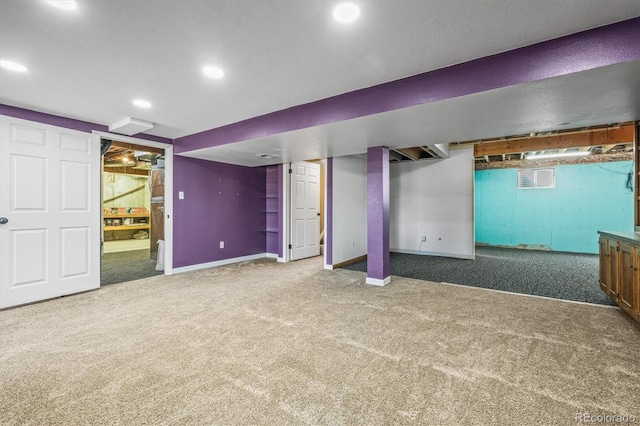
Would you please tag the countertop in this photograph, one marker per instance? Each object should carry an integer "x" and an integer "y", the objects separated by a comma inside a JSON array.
[{"x": 628, "y": 237}]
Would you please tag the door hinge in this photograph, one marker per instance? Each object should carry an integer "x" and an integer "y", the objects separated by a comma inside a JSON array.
[
  {"x": 290, "y": 171},
  {"x": 290, "y": 246}
]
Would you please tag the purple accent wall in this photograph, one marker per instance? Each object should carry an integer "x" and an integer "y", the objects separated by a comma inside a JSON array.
[
  {"x": 328, "y": 232},
  {"x": 582, "y": 51},
  {"x": 378, "y": 257},
  {"x": 69, "y": 123},
  {"x": 222, "y": 202}
]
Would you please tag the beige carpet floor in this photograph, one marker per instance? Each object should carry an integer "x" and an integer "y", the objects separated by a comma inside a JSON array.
[{"x": 291, "y": 344}]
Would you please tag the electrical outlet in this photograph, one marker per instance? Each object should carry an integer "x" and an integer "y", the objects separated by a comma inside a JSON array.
[
  {"x": 423, "y": 238},
  {"x": 180, "y": 195},
  {"x": 221, "y": 244}
]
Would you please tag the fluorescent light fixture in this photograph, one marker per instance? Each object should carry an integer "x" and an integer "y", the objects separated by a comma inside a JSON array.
[
  {"x": 141, "y": 103},
  {"x": 346, "y": 12},
  {"x": 12, "y": 66},
  {"x": 557, "y": 155},
  {"x": 64, "y": 4},
  {"x": 213, "y": 72}
]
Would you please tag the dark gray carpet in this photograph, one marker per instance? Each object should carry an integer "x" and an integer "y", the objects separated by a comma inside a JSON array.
[
  {"x": 568, "y": 276},
  {"x": 127, "y": 266}
]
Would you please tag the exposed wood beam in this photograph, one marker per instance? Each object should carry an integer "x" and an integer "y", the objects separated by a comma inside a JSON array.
[
  {"x": 135, "y": 147},
  {"x": 124, "y": 194},
  {"x": 428, "y": 151},
  {"x": 413, "y": 153},
  {"x": 402, "y": 154},
  {"x": 126, "y": 170},
  {"x": 622, "y": 134},
  {"x": 530, "y": 164},
  {"x": 394, "y": 155}
]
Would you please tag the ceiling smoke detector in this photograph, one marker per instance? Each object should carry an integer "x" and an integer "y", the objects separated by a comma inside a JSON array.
[{"x": 266, "y": 156}]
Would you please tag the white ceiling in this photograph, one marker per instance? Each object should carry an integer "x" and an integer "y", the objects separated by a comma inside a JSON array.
[
  {"x": 600, "y": 96},
  {"x": 89, "y": 64}
]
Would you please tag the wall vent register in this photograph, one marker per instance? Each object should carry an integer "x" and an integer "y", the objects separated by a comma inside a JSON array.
[{"x": 536, "y": 178}]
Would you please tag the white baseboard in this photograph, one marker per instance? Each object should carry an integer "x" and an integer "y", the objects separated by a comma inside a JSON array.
[
  {"x": 378, "y": 282},
  {"x": 328, "y": 267},
  {"x": 271, "y": 255},
  {"x": 281, "y": 260},
  {"x": 219, "y": 263},
  {"x": 432, "y": 253}
]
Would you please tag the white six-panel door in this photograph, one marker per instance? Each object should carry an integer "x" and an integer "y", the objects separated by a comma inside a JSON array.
[
  {"x": 49, "y": 193},
  {"x": 305, "y": 209}
]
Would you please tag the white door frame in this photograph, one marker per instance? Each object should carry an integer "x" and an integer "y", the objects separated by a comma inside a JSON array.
[
  {"x": 286, "y": 207},
  {"x": 286, "y": 212},
  {"x": 168, "y": 190}
]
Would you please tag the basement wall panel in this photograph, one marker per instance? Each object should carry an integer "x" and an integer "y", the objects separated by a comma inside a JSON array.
[
  {"x": 349, "y": 208},
  {"x": 434, "y": 199}
]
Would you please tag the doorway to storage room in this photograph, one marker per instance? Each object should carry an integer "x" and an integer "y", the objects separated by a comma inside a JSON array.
[{"x": 132, "y": 211}]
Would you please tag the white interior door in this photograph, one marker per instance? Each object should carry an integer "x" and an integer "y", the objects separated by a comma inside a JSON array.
[
  {"x": 50, "y": 198},
  {"x": 305, "y": 210}
]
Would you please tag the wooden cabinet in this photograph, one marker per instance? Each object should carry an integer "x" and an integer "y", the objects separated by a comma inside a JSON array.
[{"x": 620, "y": 271}]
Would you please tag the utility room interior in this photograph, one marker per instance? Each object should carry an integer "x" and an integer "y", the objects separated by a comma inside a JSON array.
[{"x": 132, "y": 208}]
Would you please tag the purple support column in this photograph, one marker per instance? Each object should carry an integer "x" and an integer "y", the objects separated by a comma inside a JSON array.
[
  {"x": 328, "y": 230},
  {"x": 378, "y": 216}
]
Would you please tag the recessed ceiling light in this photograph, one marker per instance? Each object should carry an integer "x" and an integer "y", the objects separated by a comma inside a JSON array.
[
  {"x": 12, "y": 66},
  {"x": 141, "y": 103},
  {"x": 346, "y": 12},
  {"x": 213, "y": 72},
  {"x": 64, "y": 4}
]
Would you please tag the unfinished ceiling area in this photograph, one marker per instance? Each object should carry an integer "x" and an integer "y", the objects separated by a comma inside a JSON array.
[
  {"x": 129, "y": 158},
  {"x": 594, "y": 144}
]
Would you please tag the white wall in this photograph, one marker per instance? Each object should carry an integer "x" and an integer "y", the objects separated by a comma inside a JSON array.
[
  {"x": 434, "y": 199},
  {"x": 349, "y": 208}
]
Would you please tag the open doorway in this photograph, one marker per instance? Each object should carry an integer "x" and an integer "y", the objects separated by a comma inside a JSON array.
[{"x": 132, "y": 211}]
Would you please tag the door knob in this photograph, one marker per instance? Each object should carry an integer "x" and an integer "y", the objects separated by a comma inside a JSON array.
[{"x": 3, "y": 220}]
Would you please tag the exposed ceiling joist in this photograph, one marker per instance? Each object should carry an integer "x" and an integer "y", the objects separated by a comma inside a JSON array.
[
  {"x": 618, "y": 135},
  {"x": 412, "y": 153},
  {"x": 607, "y": 148},
  {"x": 116, "y": 144},
  {"x": 527, "y": 164}
]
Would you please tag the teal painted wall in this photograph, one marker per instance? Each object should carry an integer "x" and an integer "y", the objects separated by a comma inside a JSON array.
[{"x": 587, "y": 198}]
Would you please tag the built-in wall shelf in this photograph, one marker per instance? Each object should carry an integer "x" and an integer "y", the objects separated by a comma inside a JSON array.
[{"x": 122, "y": 222}]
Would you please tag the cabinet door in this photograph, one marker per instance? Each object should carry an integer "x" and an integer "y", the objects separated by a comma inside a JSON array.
[
  {"x": 626, "y": 277},
  {"x": 612, "y": 279},
  {"x": 636, "y": 286},
  {"x": 605, "y": 273}
]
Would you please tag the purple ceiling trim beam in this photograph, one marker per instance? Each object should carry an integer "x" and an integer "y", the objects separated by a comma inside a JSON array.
[
  {"x": 67, "y": 123},
  {"x": 378, "y": 257},
  {"x": 599, "y": 47}
]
